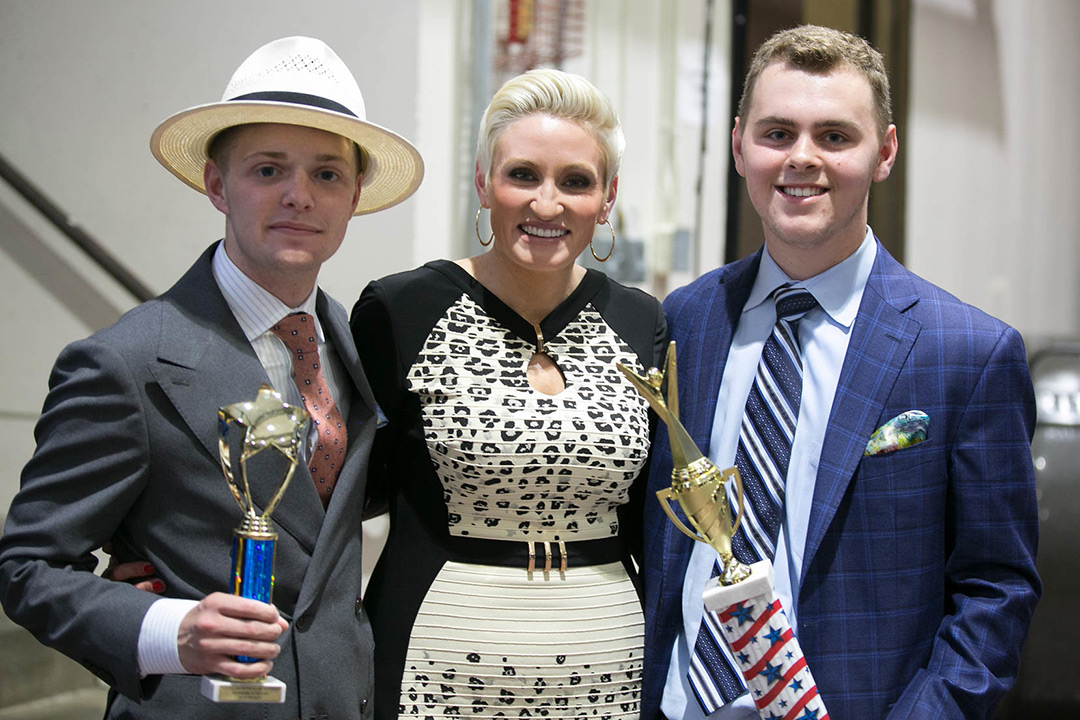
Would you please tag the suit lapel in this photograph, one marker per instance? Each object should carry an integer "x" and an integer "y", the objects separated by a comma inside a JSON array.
[
  {"x": 336, "y": 324},
  {"x": 205, "y": 362},
  {"x": 703, "y": 327},
  {"x": 361, "y": 410},
  {"x": 203, "y": 359},
  {"x": 881, "y": 341},
  {"x": 708, "y": 339},
  {"x": 200, "y": 370}
]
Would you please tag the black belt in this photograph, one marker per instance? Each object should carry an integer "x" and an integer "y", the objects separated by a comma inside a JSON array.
[{"x": 537, "y": 554}]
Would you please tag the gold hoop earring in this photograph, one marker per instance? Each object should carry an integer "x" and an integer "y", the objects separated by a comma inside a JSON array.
[
  {"x": 593, "y": 249},
  {"x": 490, "y": 239}
]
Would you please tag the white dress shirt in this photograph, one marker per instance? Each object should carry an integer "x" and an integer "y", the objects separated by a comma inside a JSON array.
[
  {"x": 823, "y": 337},
  {"x": 256, "y": 310}
]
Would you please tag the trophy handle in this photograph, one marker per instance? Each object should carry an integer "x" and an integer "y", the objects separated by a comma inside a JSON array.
[
  {"x": 672, "y": 374},
  {"x": 226, "y": 464},
  {"x": 280, "y": 491},
  {"x": 665, "y": 497},
  {"x": 739, "y": 495}
]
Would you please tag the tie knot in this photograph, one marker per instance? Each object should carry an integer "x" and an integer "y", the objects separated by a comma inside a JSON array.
[
  {"x": 793, "y": 303},
  {"x": 296, "y": 331}
]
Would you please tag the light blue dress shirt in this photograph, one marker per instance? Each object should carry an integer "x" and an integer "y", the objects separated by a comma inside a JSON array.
[{"x": 823, "y": 336}]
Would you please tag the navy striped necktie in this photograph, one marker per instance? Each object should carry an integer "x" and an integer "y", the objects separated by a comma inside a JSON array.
[{"x": 765, "y": 437}]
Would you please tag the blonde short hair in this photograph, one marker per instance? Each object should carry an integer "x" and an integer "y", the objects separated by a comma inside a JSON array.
[
  {"x": 558, "y": 94},
  {"x": 819, "y": 50}
]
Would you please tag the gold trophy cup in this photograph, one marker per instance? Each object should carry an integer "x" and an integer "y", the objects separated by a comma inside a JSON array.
[
  {"x": 696, "y": 483},
  {"x": 268, "y": 422}
]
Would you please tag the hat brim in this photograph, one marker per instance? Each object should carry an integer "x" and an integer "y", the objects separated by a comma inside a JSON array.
[{"x": 393, "y": 167}]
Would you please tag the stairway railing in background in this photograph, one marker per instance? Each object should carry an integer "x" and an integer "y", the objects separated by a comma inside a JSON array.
[{"x": 73, "y": 232}]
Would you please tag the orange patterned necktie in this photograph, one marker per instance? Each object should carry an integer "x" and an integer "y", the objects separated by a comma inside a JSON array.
[{"x": 298, "y": 333}]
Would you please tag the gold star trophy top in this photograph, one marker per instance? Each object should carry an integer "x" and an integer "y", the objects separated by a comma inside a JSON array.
[{"x": 268, "y": 422}]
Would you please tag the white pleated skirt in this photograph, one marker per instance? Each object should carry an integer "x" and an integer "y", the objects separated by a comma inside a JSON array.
[{"x": 495, "y": 642}]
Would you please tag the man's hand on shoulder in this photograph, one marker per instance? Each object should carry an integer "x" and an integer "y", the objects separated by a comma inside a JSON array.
[{"x": 223, "y": 626}]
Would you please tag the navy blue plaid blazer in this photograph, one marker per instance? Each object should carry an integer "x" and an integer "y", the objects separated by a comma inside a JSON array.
[{"x": 919, "y": 573}]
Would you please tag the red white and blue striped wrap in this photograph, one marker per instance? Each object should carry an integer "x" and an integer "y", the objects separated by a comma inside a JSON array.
[{"x": 759, "y": 635}]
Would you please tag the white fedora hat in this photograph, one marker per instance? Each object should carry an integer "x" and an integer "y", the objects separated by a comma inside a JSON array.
[{"x": 294, "y": 81}]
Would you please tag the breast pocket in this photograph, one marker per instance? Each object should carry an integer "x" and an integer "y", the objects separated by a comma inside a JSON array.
[
  {"x": 899, "y": 461},
  {"x": 903, "y": 492}
]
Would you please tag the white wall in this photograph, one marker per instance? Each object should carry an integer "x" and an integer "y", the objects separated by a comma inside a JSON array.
[{"x": 994, "y": 157}]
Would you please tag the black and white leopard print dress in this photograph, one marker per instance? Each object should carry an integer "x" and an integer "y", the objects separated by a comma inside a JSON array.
[{"x": 475, "y": 464}]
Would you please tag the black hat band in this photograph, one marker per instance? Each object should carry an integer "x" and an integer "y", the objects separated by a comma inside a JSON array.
[{"x": 297, "y": 99}]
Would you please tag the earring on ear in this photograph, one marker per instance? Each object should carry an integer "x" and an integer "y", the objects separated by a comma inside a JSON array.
[
  {"x": 593, "y": 249},
  {"x": 490, "y": 239}
]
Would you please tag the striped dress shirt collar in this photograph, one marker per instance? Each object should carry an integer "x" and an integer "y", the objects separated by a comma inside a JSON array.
[{"x": 255, "y": 307}]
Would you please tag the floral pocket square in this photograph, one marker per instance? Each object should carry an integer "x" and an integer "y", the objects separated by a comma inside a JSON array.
[{"x": 904, "y": 430}]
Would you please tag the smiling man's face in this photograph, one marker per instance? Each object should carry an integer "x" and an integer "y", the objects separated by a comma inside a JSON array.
[{"x": 810, "y": 149}]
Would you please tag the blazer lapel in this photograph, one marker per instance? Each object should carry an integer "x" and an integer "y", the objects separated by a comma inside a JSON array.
[
  {"x": 881, "y": 340},
  {"x": 708, "y": 340},
  {"x": 205, "y": 362},
  {"x": 203, "y": 359},
  {"x": 703, "y": 327},
  {"x": 336, "y": 324},
  {"x": 202, "y": 370}
]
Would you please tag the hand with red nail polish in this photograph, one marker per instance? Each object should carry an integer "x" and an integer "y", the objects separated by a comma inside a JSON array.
[{"x": 139, "y": 574}]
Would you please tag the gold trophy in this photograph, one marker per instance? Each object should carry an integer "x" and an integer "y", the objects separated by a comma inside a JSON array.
[
  {"x": 697, "y": 484},
  {"x": 751, "y": 620},
  {"x": 268, "y": 422}
]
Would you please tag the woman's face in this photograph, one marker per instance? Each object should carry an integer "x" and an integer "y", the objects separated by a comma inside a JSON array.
[{"x": 546, "y": 192}]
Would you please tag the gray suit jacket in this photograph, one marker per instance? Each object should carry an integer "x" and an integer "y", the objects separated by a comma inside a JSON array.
[{"x": 127, "y": 452}]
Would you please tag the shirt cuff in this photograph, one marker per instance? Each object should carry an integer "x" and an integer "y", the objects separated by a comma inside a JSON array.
[{"x": 159, "y": 653}]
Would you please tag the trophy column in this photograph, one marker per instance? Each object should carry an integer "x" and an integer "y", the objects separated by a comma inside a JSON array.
[{"x": 760, "y": 637}]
